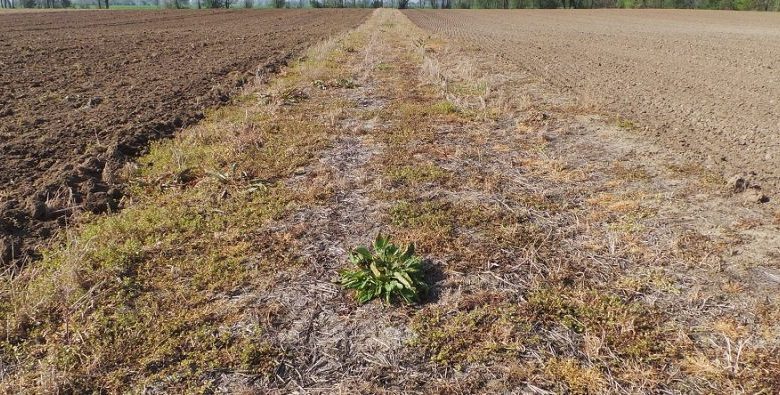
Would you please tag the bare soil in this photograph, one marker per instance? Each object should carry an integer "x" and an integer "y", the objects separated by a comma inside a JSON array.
[
  {"x": 84, "y": 91},
  {"x": 703, "y": 83}
]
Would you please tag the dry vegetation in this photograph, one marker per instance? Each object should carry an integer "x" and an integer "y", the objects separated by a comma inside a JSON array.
[{"x": 558, "y": 262}]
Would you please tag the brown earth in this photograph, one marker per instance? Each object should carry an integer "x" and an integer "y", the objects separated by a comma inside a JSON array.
[
  {"x": 703, "y": 83},
  {"x": 84, "y": 91}
]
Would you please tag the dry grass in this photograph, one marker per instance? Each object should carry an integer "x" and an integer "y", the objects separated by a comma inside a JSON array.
[
  {"x": 147, "y": 296},
  {"x": 552, "y": 267}
]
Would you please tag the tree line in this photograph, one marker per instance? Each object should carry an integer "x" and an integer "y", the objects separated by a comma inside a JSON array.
[
  {"x": 755, "y": 5},
  {"x": 761, "y": 5}
]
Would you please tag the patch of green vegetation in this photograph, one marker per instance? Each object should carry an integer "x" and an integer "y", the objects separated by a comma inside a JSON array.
[
  {"x": 628, "y": 223},
  {"x": 630, "y": 173},
  {"x": 418, "y": 174},
  {"x": 383, "y": 67},
  {"x": 627, "y": 124},
  {"x": 484, "y": 327},
  {"x": 342, "y": 83},
  {"x": 435, "y": 216},
  {"x": 417, "y": 111},
  {"x": 435, "y": 223},
  {"x": 629, "y": 329},
  {"x": 419, "y": 135},
  {"x": 468, "y": 235},
  {"x": 467, "y": 88},
  {"x": 389, "y": 273},
  {"x": 594, "y": 333},
  {"x": 444, "y": 107},
  {"x": 705, "y": 176}
]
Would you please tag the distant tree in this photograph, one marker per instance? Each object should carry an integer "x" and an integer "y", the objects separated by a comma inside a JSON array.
[{"x": 176, "y": 4}]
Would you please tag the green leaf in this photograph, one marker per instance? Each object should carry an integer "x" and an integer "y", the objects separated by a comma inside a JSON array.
[
  {"x": 408, "y": 252},
  {"x": 375, "y": 270},
  {"x": 381, "y": 242},
  {"x": 389, "y": 272},
  {"x": 360, "y": 254},
  {"x": 404, "y": 279}
]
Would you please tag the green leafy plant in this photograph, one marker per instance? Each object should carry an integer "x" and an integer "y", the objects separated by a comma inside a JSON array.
[{"x": 389, "y": 272}]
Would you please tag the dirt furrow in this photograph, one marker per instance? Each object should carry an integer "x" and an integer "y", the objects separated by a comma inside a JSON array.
[{"x": 78, "y": 102}]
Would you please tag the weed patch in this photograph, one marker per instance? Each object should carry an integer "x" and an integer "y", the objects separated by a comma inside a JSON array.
[
  {"x": 417, "y": 175},
  {"x": 389, "y": 272},
  {"x": 482, "y": 329}
]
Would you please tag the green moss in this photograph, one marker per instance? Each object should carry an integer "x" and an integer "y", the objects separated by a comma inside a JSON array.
[
  {"x": 467, "y": 88},
  {"x": 444, "y": 107},
  {"x": 476, "y": 333},
  {"x": 630, "y": 329},
  {"x": 430, "y": 215},
  {"x": 568, "y": 339},
  {"x": 383, "y": 67},
  {"x": 415, "y": 175},
  {"x": 413, "y": 113}
]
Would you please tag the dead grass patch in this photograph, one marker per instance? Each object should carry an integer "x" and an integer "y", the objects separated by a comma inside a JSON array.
[{"x": 145, "y": 297}]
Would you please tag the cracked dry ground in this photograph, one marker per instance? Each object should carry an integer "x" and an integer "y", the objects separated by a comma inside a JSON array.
[{"x": 565, "y": 253}]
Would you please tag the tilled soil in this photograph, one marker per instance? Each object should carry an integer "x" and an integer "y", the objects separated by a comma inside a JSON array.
[
  {"x": 706, "y": 84},
  {"x": 84, "y": 91}
]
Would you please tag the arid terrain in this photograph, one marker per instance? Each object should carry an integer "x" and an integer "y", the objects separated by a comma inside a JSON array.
[
  {"x": 562, "y": 246},
  {"x": 705, "y": 83},
  {"x": 84, "y": 91}
]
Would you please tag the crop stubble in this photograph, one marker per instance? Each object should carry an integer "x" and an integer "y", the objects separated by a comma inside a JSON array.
[
  {"x": 706, "y": 83},
  {"x": 84, "y": 91}
]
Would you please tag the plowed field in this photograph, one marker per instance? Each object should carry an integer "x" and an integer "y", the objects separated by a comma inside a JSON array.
[
  {"x": 83, "y": 91},
  {"x": 704, "y": 83}
]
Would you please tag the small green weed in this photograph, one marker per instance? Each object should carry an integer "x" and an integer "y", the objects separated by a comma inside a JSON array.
[
  {"x": 626, "y": 124},
  {"x": 384, "y": 67},
  {"x": 390, "y": 272},
  {"x": 415, "y": 175},
  {"x": 445, "y": 107}
]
